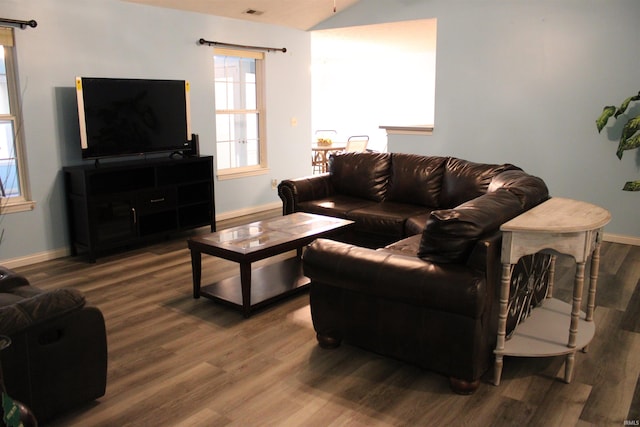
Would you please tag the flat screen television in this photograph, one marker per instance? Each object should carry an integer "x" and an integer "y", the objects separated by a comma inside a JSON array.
[{"x": 121, "y": 117}]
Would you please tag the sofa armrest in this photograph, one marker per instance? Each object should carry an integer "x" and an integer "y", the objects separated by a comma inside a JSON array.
[
  {"x": 454, "y": 288},
  {"x": 39, "y": 309},
  {"x": 9, "y": 280},
  {"x": 58, "y": 365},
  {"x": 294, "y": 191}
]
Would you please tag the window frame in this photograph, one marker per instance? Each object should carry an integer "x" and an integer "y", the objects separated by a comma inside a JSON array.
[
  {"x": 262, "y": 167},
  {"x": 22, "y": 202}
]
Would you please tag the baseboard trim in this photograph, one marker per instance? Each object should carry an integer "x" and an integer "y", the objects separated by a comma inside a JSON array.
[
  {"x": 248, "y": 211},
  {"x": 35, "y": 258},
  {"x": 63, "y": 252},
  {"x": 619, "y": 238}
]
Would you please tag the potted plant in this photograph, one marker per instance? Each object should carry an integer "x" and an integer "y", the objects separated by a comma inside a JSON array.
[{"x": 630, "y": 137}]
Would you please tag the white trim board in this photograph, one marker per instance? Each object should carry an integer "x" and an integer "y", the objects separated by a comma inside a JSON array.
[
  {"x": 248, "y": 211},
  {"x": 619, "y": 238},
  {"x": 59, "y": 253},
  {"x": 36, "y": 258},
  {"x": 63, "y": 252}
]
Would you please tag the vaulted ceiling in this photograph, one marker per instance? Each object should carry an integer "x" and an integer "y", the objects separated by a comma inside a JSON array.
[{"x": 300, "y": 14}]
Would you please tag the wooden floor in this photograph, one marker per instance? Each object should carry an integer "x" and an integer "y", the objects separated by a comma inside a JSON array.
[{"x": 177, "y": 361}]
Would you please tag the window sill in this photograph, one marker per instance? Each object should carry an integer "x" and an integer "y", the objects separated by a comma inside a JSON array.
[
  {"x": 7, "y": 207},
  {"x": 408, "y": 130},
  {"x": 240, "y": 173}
]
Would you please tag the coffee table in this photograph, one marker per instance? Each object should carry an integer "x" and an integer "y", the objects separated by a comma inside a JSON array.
[{"x": 245, "y": 244}]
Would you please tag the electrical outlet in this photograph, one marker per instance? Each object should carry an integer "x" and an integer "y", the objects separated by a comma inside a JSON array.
[{"x": 274, "y": 184}]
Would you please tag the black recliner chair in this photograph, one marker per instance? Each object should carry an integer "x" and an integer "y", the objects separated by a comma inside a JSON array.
[{"x": 57, "y": 359}]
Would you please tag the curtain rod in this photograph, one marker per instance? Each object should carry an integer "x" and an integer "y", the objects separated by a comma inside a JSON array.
[
  {"x": 268, "y": 49},
  {"x": 22, "y": 24}
]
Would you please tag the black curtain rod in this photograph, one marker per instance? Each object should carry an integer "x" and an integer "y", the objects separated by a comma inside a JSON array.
[
  {"x": 268, "y": 49},
  {"x": 22, "y": 24}
]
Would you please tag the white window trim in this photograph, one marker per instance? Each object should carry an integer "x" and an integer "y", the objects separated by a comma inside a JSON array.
[
  {"x": 262, "y": 168},
  {"x": 243, "y": 172},
  {"x": 8, "y": 206},
  {"x": 23, "y": 202},
  {"x": 408, "y": 130}
]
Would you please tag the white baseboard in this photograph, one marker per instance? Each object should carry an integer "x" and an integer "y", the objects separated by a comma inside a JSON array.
[
  {"x": 62, "y": 252},
  {"x": 619, "y": 238},
  {"x": 35, "y": 258},
  {"x": 248, "y": 211}
]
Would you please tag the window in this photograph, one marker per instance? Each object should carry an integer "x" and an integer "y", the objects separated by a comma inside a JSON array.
[
  {"x": 13, "y": 184},
  {"x": 240, "y": 116}
]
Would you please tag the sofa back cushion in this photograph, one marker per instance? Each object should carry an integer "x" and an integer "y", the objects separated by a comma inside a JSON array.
[
  {"x": 450, "y": 234},
  {"x": 363, "y": 175},
  {"x": 463, "y": 180},
  {"x": 416, "y": 179},
  {"x": 530, "y": 189}
]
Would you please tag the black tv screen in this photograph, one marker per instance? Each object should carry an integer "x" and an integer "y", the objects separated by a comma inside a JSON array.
[{"x": 120, "y": 117}]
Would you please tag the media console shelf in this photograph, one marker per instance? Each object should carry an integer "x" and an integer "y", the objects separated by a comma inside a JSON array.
[{"x": 114, "y": 205}]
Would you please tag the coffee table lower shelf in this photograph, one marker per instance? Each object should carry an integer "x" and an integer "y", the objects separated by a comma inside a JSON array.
[{"x": 269, "y": 283}]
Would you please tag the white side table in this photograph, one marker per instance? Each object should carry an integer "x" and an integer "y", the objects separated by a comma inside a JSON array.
[{"x": 554, "y": 328}]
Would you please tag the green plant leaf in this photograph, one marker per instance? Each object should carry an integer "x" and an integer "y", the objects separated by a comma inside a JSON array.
[
  {"x": 629, "y": 140},
  {"x": 604, "y": 117},
  {"x": 625, "y": 104},
  {"x": 632, "y": 186}
]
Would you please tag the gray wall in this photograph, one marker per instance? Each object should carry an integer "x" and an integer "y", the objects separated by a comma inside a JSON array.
[
  {"x": 522, "y": 81},
  {"x": 517, "y": 81},
  {"x": 111, "y": 38}
]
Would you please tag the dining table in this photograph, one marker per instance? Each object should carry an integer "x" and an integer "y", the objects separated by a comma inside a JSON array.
[{"x": 320, "y": 154}]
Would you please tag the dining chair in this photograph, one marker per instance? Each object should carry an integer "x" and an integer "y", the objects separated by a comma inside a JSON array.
[
  {"x": 357, "y": 144},
  {"x": 319, "y": 159}
]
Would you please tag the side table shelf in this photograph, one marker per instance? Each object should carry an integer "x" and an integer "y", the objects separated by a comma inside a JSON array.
[
  {"x": 539, "y": 335},
  {"x": 554, "y": 328}
]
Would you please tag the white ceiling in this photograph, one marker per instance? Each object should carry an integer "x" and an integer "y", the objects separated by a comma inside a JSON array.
[{"x": 300, "y": 14}]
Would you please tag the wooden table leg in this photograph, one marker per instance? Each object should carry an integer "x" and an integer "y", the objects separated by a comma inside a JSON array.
[
  {"x": 196, "y": 271},
  {"x": 569, "y": 362},
  {"x": 593, "y": 282},
  {"x": 552, "y": 276},
  {"x": 578, "y": 285},
  {"x": 245, "y": 282},
  {"x": 505, "y": 284}
]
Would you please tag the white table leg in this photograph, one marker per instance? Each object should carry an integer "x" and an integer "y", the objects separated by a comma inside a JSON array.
[{"x": 505, "y": 285}]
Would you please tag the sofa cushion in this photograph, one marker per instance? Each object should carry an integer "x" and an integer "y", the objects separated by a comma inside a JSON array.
[
  {"x": 450, "y": 234},
  {"x": 384, "y": 273},
  {"x": 408, "y": 246},
  {"x": 416, "y": 179},
  {"x": 416, "y": 223},
  {"x": 363, "y": 175},
  {"x": 464, "y": 180},
  {"x": 337, "y": 205},
  {"x": 385, "y": 217},
  {"x": 530, "y": 189}
]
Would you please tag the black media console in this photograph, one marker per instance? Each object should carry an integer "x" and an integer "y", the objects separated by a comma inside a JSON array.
[{"x": 113, "y": 205}]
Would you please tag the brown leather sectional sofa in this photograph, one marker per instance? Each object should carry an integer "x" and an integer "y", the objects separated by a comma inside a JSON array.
[{"x": 418, "y": 276}]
